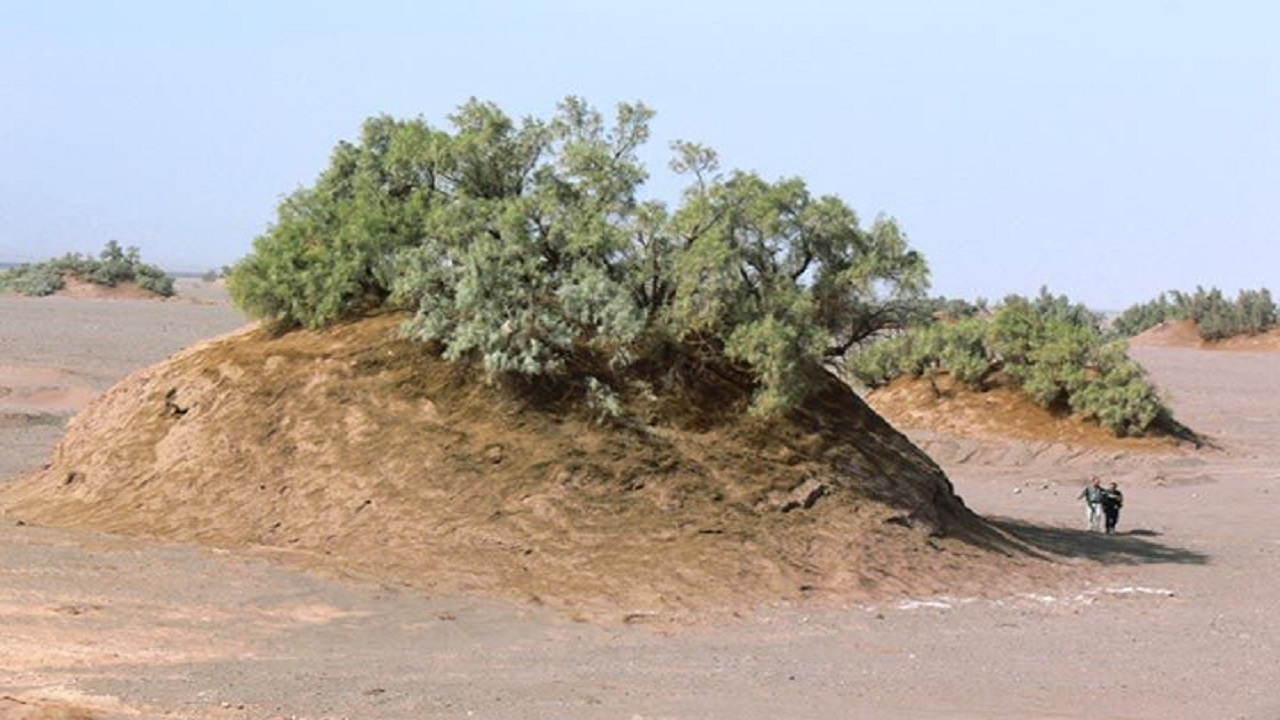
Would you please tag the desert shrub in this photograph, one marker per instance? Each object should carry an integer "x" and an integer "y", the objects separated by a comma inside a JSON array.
[
  {"x": 33, "y": 280},
  {"x": 878, "y": 363},
  {"x": 928, "y": 310},
  {"x": 113, "y": 266},
  {"x": 1052, "y": 349},
  {"x": 1059, "y": 309},
  {"x": 1044, "y": 344},
  {"x": 1212, "y": 313},
  {"x": 154, "y": 279},
  {"x": 1215, "y": 316},
  {"x": 1119, "y": 396},
  {"x": 958, "y": 347},
  {"x": 602, "y": 400},
  {"x": 956, "y": 308},
  {"x": 518, "y": 245},
  {"x": 330, "y": 252},
  {"x": 294, "y": 277},
  {"x": 73, "y": 265},
  {"x": 1144, "y": 316},
  {"x": 1014, "y": 333},
  {"x": 1056, "y": 367},
  {"x": 1217, "y": 321},
  {"x": 1257, "y": 311},
  {"x": 963, "y": 352}
]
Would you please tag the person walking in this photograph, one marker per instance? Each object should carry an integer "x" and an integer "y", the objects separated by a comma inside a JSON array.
[
  {"x": 1092, "y": 496},
  {"x": 1112, "y": 501}
]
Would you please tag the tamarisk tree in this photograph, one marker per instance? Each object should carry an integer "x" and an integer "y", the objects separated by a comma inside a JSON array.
[{"x": 521, "y": 244}]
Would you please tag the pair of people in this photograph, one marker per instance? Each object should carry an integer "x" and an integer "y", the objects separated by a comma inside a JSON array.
[{"x": 1101, "y": 506}]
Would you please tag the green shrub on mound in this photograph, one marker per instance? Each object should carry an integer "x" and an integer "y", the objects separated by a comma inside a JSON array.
[
  {"x": 1216, "y": 317},
  {"x": 520, "y": 246},
  {"x": 113, "y": 266},
  {"x": 1052, "y": 349},
  {"x": 37, "y": 280}
]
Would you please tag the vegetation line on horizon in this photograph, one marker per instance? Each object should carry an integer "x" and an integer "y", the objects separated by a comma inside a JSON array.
[
  {"x": 114, "y": 265},
  {"x": 1215, "y": 317}
]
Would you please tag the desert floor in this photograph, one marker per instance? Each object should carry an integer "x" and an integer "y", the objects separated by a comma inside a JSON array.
[{"x": 1176, "y": 621}]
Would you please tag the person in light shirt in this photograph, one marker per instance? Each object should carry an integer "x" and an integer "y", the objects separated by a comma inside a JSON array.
[{"x": 1092, "y": 496}]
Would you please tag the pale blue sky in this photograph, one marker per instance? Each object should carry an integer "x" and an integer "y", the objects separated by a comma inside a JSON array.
[{"x": 1110, "y": 150}]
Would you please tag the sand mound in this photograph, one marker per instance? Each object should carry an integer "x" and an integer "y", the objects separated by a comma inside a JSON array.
[
  {"x": 1183, "y": 334},
  {"x": 362, "y": 454},
  {"x": 84, "y": 290},
  {"x": 75, "y": 288}
]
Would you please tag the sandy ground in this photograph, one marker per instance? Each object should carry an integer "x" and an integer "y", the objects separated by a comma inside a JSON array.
[{"x": 1175, "y": 623}]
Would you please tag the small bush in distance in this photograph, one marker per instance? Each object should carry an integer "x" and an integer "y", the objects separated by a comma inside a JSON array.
[
  {"x": 113, "y": 266},
  {"x": 1215, "y": 316},
  {"x": 32, "y": 280},
  {"x": 1050, "y": 348}
]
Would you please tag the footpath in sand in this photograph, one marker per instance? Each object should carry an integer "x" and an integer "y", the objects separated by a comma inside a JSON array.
[{"x": 1176, "y": 622}]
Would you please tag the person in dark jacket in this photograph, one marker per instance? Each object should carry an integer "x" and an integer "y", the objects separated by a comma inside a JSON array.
[{"x": 1112, "y": 501}]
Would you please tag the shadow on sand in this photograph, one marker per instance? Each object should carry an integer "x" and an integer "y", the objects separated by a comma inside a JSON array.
[{"x": 1132, "y": 547}]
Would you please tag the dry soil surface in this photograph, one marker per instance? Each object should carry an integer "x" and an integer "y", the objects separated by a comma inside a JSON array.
[{"x": 1175, "y": 622}]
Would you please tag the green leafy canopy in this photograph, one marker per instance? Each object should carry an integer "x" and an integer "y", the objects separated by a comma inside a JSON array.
[{"x": 518, "y": 244}]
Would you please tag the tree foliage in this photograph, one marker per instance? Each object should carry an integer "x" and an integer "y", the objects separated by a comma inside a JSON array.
[
  {"x": 1216, "y": 317},
  {"x": 112, "y": 266},
  {"x": 1054, "y": 350},
  {"x": 520, "y": 244}
]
